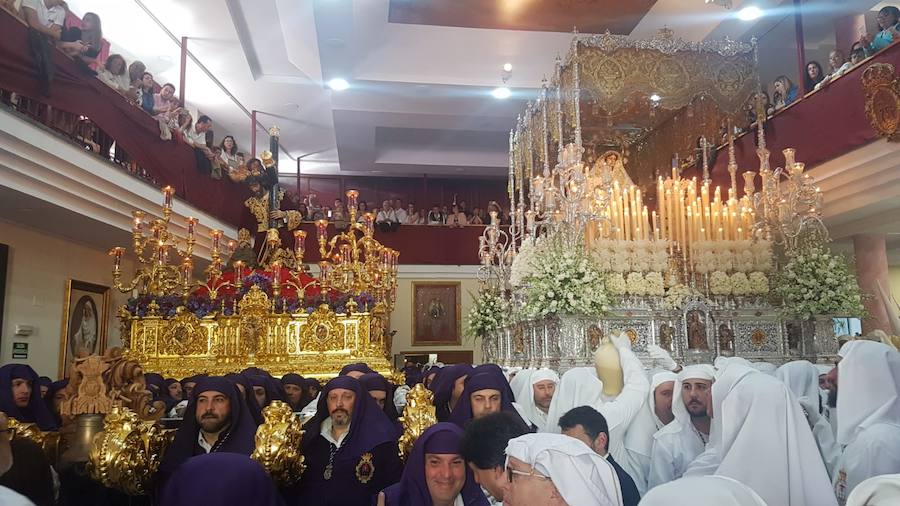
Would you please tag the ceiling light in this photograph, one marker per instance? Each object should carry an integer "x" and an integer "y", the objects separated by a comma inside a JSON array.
[
  {"x": 507, "y": 67},
  {"x": 338, "y": 84},
  {"x": 749, "y": 13},
  {"x": 655, "y": 98},
  {"x": 501, "y": 93}
]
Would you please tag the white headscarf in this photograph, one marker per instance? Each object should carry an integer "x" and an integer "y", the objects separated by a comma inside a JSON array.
[
  {"x": 524, "y": 392},
  {"x": 582, "y": 477},
  {"x": 579, "y": 386},
  {"x": 639, "y": 437},
  {"x": 868, "y": 387},
  {"x": 765, "y": 367},
  {"x": 764, "y": 440},
  {"x": 881, "y": 490},
  {"x": 703, "y": 491},
  {"x": 722, "y": 362},
  {"x": 802, "y": 379}
]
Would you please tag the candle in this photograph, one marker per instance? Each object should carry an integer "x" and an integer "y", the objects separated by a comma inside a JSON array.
[
  {"x": 216, "y": 236},
  {"x": 187, "y": 269},
  {"x": 370, "y": 223},
  {"x": 645, "y": 225},
  {"x": 191, "y": 222},
  {"x": 116, "y": 253},
  {"x": 493, "y": 218},
  {"x": 138, "y": 222},
  {"x": 323, "y": 269},
  {"x": 168, "y": 192},
  {"x": 239, "y": 272},
  {"x": 161, "y": 253},
  {"x": 299, "y": 244},
  {"x": 321, "y": 228},
  {"x": 352, "y": 196},
  {"x": 276, "y": 272}
]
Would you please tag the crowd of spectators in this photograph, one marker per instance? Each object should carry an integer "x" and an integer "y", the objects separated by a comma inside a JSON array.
[
  {"x": 392, "y": 213},
  {"x": 82, "y": 39},
  {"x": 785, "y": 92}
]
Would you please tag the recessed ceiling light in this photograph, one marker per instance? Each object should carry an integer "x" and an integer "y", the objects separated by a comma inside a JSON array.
[
  {"x": 749, "y": 13},
  {"x": 655, "y": 98},
  {"x": 501, "y": 93},
  {"x": 338, "y": 84},
  {"x": 507, "y": 67}
]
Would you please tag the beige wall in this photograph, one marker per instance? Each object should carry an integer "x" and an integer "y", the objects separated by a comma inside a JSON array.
[
  {"x": 894, "y": 278},
  {"x": 39, "y": 266},
  {"x": 401, "y": 318}
]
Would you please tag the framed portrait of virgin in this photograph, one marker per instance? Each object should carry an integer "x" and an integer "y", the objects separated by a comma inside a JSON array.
[
  {"x": 84, "y": 325},
  {"x": 436, "y": 313}
]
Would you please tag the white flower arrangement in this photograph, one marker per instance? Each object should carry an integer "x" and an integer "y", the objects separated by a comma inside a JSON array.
[
  {"x": 816, "y": 282},
  {"x": 740, "y": 284},
  {"x": 719, "y": 283},
  {"x": 762, "y": 255},
  {"x": 759, "y": 283},
  {"x": 522, "y": 263},
  {"x": 635, "y": 284},
  {"x": 653, "y": 282},
  {"x": 659, "y": 256},
  {"x": 676, "y": 295},
  {"x": 615, "y": 283},
  {"x": 488, "y": 313},
  {"x": 565, "y": 280}
]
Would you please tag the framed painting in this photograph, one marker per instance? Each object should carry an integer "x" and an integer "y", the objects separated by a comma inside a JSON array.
[
  {"x": 84, "y": 325},
  {"x": 4, "y": 258},
  {"x": 436, "y": 313}
]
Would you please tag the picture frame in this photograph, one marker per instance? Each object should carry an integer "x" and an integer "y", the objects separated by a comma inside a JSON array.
[
  {"x": 436, "y": 313},
  {"x": 4, "y": 260},
  {"x": 85, "y": 322}
]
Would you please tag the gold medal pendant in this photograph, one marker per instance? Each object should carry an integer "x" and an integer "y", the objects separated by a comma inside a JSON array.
[{"x": 327, "y": 473}]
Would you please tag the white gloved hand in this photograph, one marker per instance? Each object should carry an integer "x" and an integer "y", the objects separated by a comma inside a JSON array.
[
  {"x": 661, "y": 358},
  {"x": 620, "y": 340},
  {"x": 812, "y": 411},
  {"x": 400, "y": 397}
]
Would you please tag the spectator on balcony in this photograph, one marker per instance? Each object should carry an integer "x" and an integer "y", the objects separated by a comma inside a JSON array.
[
  {"x": 785, "y": 92},
  {"x": 48, "y": 18},
  {"x": 399, "y": 211},
  {"x": 196, "y": 138},
  {"x": 445, "y": 212},
  {"x": 136, "y": 73},
  {"x": 114, "y": 73},
  {"x": 145, "y": 93},
  {"x": 90, "y": 34},
  {"x": 456, "y": 218},
  {"x": 813, "y": 75},
  {"x": 888, "y": 18},
  {"x": 477, "y": 217},
  {"x": 837, "y": 64},
  {"x": 464, "y": 208},
  {"x": 435, "y": 216},
  {"x": 387, "y": 217},
  {"x": 229, "y": 154},
  {"x": 339, "y": 215},
  {"x": 412, "y": 216},
  {"x": 857, "y": 53}
]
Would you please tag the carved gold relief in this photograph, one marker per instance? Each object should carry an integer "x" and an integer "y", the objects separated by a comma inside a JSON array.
[
  {"x": 183, "y": 336},
  {"x": 48, "y": 441},
  {"x": 322, "y": 332},
  {"x": 758, "y": 337},
  {"x": 278, "y": 444},
  {"x": 882, "y": 89},
  {"x": 418, "y": 415},
  {"x": 127, "y": 454}
]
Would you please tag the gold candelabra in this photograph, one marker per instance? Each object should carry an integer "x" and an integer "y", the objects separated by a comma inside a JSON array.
[{"x": 353, "y": 261}]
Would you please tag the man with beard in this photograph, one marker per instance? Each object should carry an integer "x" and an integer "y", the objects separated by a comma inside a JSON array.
[
  {"x": 534, "y": 395},
  {"x": 867, "y": 381},
  {"x": 350, "y": 448},
  {"x": 216, "y": 420},
  {"x": 677, "y": 444},
  {"x": 484, "y": 393}
]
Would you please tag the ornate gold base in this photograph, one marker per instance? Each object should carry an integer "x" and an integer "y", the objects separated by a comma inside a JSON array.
[{"x": 317, "y": 345}]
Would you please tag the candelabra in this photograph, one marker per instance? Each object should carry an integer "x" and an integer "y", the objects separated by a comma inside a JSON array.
[
  {"x": 496, "y": 250},
  {"x": 155, "y": 275},
  {"x": 789, "y": 211},
  {"x": 353, "y": 261}
]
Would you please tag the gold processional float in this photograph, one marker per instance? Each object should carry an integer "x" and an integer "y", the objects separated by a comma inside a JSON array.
[{"x": 267, "y": 311}]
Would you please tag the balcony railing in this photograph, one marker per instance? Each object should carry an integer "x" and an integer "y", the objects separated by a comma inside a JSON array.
[{"x": 83, "y": 109}]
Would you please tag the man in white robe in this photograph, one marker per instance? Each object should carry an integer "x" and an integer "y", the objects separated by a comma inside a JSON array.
[
  {"x": 677, "y": 444},
  {"x": 868, "y": 414},
  {"x": 760, "y": 437},
  {"x": 654, "y": 415},
  {"x": 580, "y": 386},
  {"x": 703, "y": 491},
  {"x": 802, "y": 379},
  {"x": 534, "y": 390}
]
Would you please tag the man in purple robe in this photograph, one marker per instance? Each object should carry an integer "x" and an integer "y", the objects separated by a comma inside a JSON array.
[
  {"x": 20, "y": 397},
  {"x": 485, "y": 393},
  {"x": 350, "y": 447},
  {"x": 435, "y": 473},
  {"x": 217, "y": 419},
  {"x": 223, "y": 479},
  {"x": 448, "y": 387}
]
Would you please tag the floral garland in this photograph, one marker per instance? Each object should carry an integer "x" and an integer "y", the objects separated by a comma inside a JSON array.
[
  {"x": 566, "y": 280},
  {"x": 488, "y": 313},
  {"x": 816, "y": 282}
]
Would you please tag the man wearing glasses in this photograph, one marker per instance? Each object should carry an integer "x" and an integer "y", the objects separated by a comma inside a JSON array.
[{"x": 557, "y": 470}]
